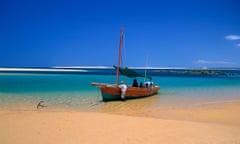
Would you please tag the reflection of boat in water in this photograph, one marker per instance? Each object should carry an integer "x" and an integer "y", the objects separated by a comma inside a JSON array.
[{"x": 113, "y": 92}]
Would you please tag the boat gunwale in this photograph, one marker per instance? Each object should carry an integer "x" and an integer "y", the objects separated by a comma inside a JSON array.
[{"x": 131, "y": 91}]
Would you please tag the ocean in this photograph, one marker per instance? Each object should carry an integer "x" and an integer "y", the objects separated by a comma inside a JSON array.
[{"x": 70, "y": 89}]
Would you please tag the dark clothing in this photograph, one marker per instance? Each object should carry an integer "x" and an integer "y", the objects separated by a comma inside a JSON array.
[{"x": 135, "y": 83}]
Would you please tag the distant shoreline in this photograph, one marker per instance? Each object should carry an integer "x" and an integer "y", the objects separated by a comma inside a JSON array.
[
  {"x": 153, "y": 71},
  {"x": 111, "y": 67}
]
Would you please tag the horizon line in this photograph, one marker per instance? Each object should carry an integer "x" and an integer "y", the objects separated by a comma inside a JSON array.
[{"x": 78, "y": 68}]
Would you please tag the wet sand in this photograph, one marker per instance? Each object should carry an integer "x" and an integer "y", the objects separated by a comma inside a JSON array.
[{"x": 210, "y": 123}]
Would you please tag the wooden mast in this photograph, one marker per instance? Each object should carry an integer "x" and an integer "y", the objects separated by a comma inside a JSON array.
[
  {"x": 119, "y": 55},
  {"x": 145, "y": 75}
]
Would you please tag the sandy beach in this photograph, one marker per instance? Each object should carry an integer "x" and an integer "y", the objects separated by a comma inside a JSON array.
[{"x": 214, "y": 123}]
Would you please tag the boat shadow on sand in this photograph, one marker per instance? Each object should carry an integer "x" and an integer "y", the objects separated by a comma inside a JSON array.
[{"x": 128, "y": 107}]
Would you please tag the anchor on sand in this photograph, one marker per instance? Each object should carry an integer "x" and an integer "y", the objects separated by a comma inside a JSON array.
[{"x": 41, "y": 105}]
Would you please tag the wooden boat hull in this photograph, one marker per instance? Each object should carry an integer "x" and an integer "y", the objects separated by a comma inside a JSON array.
[{"x": 112, "y": 92}]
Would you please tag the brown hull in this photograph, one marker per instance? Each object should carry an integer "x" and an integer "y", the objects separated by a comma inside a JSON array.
[{"x": 112, "y": 92}]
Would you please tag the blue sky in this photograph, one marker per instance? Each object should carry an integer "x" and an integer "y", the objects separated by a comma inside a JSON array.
[{"x": 171, "y": 33}]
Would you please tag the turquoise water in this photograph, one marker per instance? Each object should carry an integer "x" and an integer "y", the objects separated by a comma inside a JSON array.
[{"x": 74, "y": 91}]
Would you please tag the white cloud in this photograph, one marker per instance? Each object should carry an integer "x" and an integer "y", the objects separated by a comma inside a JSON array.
[
  {"x": 232, "y": 37},
  {"x": 213, "y": 62},
  {"x": 202, "y": 62}
]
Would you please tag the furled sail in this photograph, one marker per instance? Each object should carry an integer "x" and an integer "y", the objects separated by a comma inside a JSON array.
[{"x": 129, "y": 72}]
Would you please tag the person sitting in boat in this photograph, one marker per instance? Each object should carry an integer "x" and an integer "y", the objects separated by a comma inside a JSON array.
[
  {"x": 149, "y": 83},
  {"x": 123, "y": 88},
  {"x": 135, "y": 83}
]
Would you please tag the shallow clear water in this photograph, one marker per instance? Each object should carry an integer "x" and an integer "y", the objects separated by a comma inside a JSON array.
[{"x": 74, "y": 91}]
